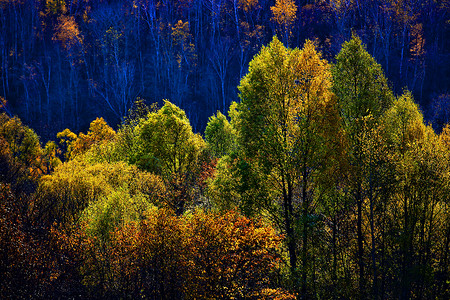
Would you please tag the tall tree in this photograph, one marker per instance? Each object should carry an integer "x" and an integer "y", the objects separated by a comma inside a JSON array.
[
  {"x": 363, "y": 96},
  {"x": 285, "y": 116}
]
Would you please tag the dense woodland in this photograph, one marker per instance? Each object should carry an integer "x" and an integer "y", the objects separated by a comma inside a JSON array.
[
  {"x": 321, "y": 183},
  {"x": 65, "y": 62},
  {"x": 323, "y": 180}
]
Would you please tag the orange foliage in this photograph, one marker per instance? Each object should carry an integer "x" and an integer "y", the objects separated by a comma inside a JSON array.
[
  {"x": 284, "y": 12},
  {"x": 417, "y": 44},
  {"x": 192, "y": 257},
  {"x": 207, "y": 171},
  {"x": 230, "y": 256},
  {"x": 248, "y": 5},
  {"x": 67, "y": 32}
]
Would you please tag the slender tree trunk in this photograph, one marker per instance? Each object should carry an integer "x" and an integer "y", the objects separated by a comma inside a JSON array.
[
  {"x": 382, "y": 250},
  {"x": 360, "y": 243},
  {"x": 372, "y": 234},
  {"x": 402, "y": 50},
  {"x": 405, "y": 245},
  {"x": 288, "y": 209},
  {"x": 305, "y": 230},
  {"x": 373, "y": 250},
  {"x": 333, "y": 243}
]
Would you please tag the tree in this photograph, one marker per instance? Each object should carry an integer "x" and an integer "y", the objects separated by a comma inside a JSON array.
[
  {"x": 286, "y": 116},
  {"x": 223, "y": 186},
  {"x": 284, "y": 15},
  {"x": 75, "y": 185},
  {"x": 231, "y": 256},
  {"x": 200, "y": 255},
  {"x": 172, "y": 150},
  {"x": 418, "y": 208},
  {"x": 99, "y": 132},
  {"x": 21, "y": 154},
  {"x": 363, "y": 96},
  {"x": 23, "y": 141},
  {"x": 220, "y": 135}
]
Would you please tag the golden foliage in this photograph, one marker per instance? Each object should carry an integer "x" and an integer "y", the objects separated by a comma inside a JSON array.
[
  {"x": 248, "y": 5},
  {"x": 76, "y": 185},
  {"x": 67, "y": 32},
  {"x": 99, "y": 132},
  {"x": 197, "y": 256},
  {"x": 417, "y": 43},
  {"x": 182, "y": 38},
  {"x": 284, "y": 12}
]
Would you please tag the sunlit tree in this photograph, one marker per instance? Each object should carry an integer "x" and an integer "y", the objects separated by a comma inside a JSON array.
[{"x": 286, "y": 116}]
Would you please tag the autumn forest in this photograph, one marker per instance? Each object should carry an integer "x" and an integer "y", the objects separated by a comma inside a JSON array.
[{"x": 224, "y": 149}]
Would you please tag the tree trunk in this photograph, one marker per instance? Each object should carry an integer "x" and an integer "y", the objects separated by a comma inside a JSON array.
[
  {"x": 288, "y": 209},
  {"x": 360, "y": 244},
  {"x": 305, "y": 231},
  {"x": 373, "y": 249}
]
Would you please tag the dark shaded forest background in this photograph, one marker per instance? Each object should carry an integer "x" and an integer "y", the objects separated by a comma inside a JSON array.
[{"x": 64, "y": 63}]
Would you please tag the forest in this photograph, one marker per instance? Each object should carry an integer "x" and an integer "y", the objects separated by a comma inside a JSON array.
[
  {"x": 64, "y": 63},
  {"x": 236, "y": 149}
]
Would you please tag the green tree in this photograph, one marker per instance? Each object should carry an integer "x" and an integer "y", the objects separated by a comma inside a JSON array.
[
  {"x": 75, "y": 185},
  {"x": 223, "y": 187},
  {"x": 23, "y": 142},
  {"x": 114, "y": 210},
  {"x": 220, "y": 135},
  {"x": 418, "y": 205},
  {"x": 169, "y": 148},
  {"x": 360, "y": 85},
  {"x": 363, "y": 96},
  {"x": 286, "y": 118}
]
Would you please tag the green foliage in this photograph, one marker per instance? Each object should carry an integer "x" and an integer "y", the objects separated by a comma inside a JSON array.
[
  {"x": 286, "y": 102},
  {"x": 22, "y": 141},
  {"x": 404, "y": 122},
  {"x": 76, "y": 184},
  {"x": 362, "y": 207},
  {"x": 220, "y": 135},
  {"x": 363, "y": 97},
  {"x": 126, "y": 145},
  {"x": 223, "y": 187},
  {"x": 287, "y": 116},
  {"x": 22, "y": 160},
  {"x": 288, "y": 126},
  {"x": 114, "y": 210},
  {"x": 169, "y": 148},
  {"x": 359, "y": 84}
]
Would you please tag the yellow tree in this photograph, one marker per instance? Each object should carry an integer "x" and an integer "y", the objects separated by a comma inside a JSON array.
[
  {"x": 287, "y": 117},
  {"x": 99, "y": 132},
  {"x": 284, "y": 15}
]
